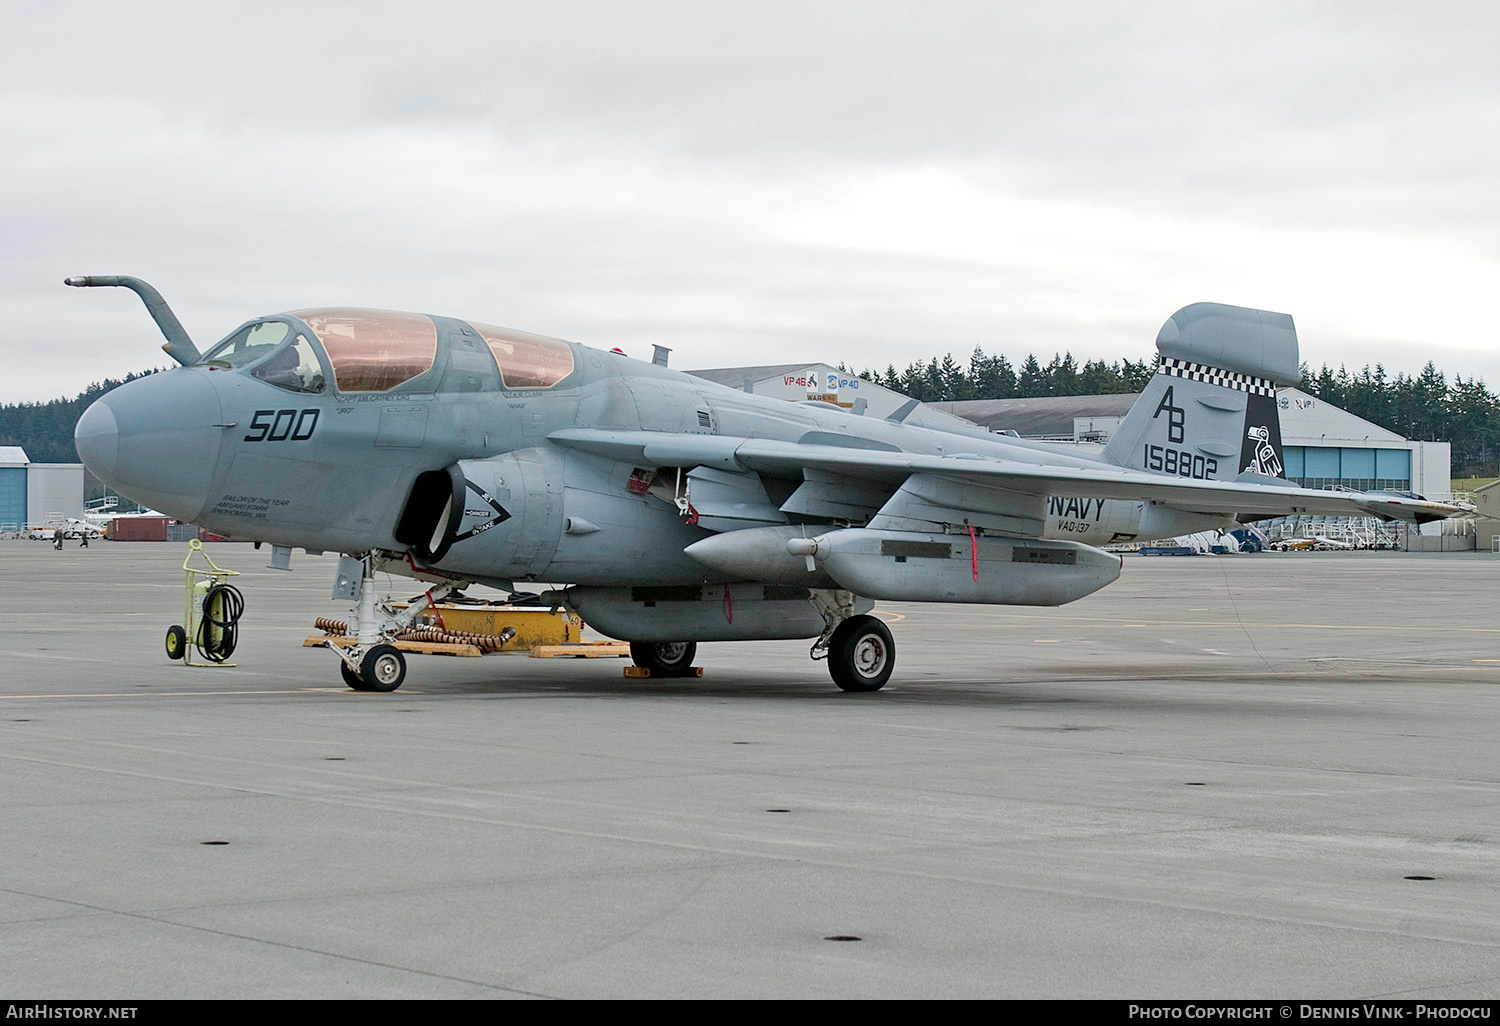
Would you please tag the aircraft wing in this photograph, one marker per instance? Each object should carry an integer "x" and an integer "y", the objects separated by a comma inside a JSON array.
[
  {"x": 1249, "y": 495},
  {"x": 1261, "y": 496}
]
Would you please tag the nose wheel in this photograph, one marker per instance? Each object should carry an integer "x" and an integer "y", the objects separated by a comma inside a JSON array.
[{"x": 382, "y": 668}]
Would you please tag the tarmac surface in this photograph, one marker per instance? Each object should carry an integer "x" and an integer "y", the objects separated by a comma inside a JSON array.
[{"x": 1220, "y": 777}]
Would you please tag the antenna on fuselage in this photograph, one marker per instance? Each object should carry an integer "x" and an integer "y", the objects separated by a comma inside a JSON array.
[
  {"x": 659, "y": 355},
  {"x": 905, "y": 411}
]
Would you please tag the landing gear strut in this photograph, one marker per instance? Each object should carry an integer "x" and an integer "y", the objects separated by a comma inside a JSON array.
[{"x": 372, "y": 663}]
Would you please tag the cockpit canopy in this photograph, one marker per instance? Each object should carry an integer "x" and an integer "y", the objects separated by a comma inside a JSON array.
[
  {"x": 373, "y": 350},
  {"x": 527, "y": 361},
  {"x": 377, "y": 351}
]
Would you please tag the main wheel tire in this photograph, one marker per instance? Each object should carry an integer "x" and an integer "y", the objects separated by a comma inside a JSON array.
[
  {"x": 664, "y": 658},
  {"x": 351, "y": 678},
  {"x": 861, "y": 654},
  {"x": 176, "y": 642},
  {"x": 383, "y": 668}
]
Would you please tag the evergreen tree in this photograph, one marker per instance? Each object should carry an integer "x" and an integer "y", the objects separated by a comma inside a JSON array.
[
  {"x": 1135, "y": 376},
  {"x": 955, "y": 383},
  {"x": 1430, "y": 404},
  {"x": 932, "y": 381},
  {"x": 1062, "y": 376},
  {"x": 1097, "y": 377},
  {"x": 1474, "y": 428},
  {"x": 993, "y": 377},
  {"x": 1031, "y": 382},
  {"x": 913, "y": 382}
]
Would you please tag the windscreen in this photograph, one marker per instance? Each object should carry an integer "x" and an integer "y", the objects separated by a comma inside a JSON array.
[
  {"x": 248, "y": 344},
  {"x": 294, "y": 367}
]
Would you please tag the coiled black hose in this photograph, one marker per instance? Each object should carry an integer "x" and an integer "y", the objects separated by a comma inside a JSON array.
[{"x": 217, "y": 635}]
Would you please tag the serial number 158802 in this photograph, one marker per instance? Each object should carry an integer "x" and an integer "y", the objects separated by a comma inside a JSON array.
[{"x": 1182, "y": 464}]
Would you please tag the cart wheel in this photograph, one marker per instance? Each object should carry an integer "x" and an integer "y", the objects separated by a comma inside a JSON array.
[
  {"x": 383, "y": 668},
  {"x": 176, "y": 642},
  {"x": 351, "y": 678}
]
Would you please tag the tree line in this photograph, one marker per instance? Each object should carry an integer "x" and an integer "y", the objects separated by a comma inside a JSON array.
[
  {"x": 994, "y": 377},
  {"x": 45, "y": 430},
  {"x": 1426, "y": 407}
]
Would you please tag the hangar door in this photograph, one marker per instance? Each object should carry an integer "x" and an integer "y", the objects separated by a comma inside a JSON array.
[
  {"x": 12, "y": 498},
  {"x": 1314, "y": 466}
]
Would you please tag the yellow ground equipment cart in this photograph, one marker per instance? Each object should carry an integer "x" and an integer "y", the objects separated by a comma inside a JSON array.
[
  {"x": 451, "y": 629},
  {"x": 211, "y": 614}
]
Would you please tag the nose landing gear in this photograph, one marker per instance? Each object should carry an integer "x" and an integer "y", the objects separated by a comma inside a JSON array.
[{"x": 370, "y": 662}]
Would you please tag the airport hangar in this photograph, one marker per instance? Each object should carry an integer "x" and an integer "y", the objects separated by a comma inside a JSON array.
[{"x": 29, "y": 491}]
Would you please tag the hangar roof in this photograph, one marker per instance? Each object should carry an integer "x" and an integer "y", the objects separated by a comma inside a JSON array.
[
  {"x": 13, "y": 456},
  {"x": 1049, "y": 415},
  {"x": 735, "y": 377},
  {"x": 1312, "y": 421}
]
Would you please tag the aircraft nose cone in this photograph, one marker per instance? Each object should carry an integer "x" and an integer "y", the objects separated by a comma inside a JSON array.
[
  {"x": 98, "y": 439},
  {"x": 155, "y": 440}
]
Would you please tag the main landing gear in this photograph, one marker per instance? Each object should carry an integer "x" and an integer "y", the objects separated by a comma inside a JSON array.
[
  {"x": 665, "y": 658},
  {"x": 859, "y": 648},
  {"x": 861, "y": 654}
]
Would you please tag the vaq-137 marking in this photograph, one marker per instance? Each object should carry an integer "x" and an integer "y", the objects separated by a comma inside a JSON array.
[{"x": 667, "y": 510}]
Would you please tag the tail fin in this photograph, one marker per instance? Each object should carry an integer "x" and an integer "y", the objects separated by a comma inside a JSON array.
[{"x": 1210, "y": 410}]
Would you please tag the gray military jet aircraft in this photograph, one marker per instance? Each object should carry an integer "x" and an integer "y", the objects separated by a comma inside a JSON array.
[{"x": 671, "y": 509}]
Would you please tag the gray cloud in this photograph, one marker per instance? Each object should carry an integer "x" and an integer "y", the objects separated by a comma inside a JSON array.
[{"x": 701, "y": 174}]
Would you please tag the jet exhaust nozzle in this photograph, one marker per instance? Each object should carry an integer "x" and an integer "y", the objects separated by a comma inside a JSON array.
[{"x": 179, "y": 346}]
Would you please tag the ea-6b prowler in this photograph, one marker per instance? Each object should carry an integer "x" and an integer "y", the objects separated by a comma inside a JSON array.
[{"x": 672, "y": 510}]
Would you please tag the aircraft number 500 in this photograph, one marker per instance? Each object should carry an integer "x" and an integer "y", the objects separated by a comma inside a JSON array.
[
  {"x": 1182, "y": 464},
  {"x": 281, "y": 425}
]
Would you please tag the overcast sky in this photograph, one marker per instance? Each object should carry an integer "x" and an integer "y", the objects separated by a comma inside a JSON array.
[{"x": 755, "y": 183}]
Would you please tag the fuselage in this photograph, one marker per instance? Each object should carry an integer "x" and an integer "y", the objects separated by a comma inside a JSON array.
[{"x": 319, "y": 443}]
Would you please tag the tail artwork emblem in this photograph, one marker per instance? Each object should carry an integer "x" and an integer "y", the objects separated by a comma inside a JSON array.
[
  {"x": 1176, "y": 417},
  {"x": 1265, "y": 460}
]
